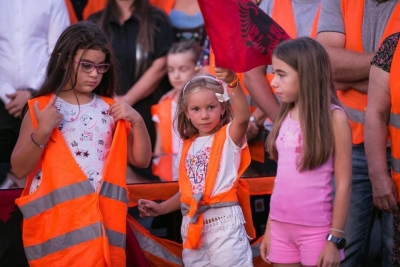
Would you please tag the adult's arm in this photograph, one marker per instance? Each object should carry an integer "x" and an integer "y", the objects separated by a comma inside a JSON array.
[
  {"x": 350, "y": 68},
  {"x": 260, "y": 91},
  {"x": 148, "y": 82},
  {"x": 376, "y": 133}
]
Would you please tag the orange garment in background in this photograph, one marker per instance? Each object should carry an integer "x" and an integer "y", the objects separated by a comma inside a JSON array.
[
  {"x": 65, "y": 221},
  {"x": 282, "y": 13},
  {"x": 394, "y": 131},
  {"x": 91, "y": 7},
  {"x": 163, "y": 168},
  {"x": 353, "y": 101},
  {"x": 165, "y": 5}
]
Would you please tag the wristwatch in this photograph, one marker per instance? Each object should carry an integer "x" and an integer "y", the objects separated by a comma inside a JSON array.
[{"x": 340, "y": 242}]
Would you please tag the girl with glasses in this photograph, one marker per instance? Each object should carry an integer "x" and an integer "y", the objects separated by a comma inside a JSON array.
[{"x": 74, "y": 144}]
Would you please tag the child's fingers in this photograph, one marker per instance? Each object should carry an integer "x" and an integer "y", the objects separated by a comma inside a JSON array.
[{"x": 52, "y": 101}]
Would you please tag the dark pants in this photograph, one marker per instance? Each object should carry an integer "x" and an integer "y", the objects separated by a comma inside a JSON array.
[{"x": 9, "y": 131}]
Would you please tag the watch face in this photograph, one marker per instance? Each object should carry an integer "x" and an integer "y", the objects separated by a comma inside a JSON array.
[{"x": 341, "y": 243}]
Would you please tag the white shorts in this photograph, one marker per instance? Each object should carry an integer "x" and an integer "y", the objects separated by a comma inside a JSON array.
[{"x": 227, "y": 246}]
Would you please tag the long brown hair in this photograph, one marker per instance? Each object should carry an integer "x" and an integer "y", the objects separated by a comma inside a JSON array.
[
  {"x": 146, "y": 14},
  {"x": 82, "y": 35},
  {"x": 310, "y": 60}
]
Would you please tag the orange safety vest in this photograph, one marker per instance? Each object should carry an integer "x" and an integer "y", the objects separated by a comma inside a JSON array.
[
  {"x": 67, "y": 223},
  {"x": 164, "y": 167},
  {"x": 91, "y": 7},
  {"x": 198, "y": 203},
  {"x": 353, "y": 101},
  {"x": 283, "y": 14},
  {"x": 394, "y": 122}
]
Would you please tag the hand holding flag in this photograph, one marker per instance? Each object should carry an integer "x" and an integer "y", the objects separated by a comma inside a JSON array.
[{"x": 241, "y": 35}]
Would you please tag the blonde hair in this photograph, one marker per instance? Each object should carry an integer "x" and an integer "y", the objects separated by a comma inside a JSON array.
[
  {"x": 310, "y": 60},
  {"x": 185, "y": 128}
]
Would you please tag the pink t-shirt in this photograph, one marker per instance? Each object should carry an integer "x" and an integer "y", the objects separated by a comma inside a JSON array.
[{"x": 305, "y": 197}]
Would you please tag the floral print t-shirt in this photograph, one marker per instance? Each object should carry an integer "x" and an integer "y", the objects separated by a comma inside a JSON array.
[{"x": 87, "y": 130}]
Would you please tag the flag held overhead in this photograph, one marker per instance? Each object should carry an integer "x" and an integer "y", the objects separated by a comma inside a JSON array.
[{"x": 242, "y": 36}]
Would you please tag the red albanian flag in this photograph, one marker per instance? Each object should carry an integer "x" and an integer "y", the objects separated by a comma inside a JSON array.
[{"x": 242, "y": 36}]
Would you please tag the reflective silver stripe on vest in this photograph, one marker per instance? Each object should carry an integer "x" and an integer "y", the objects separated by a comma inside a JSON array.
[
  {"x": 55, "y": 197},
  {"x": 115, "y": 238},
  {"x": 114, "y": 192},
  {"x": 152, "y": 247},
  {"x": 255, "y": 250},
  {"x": 394, "y": 120},
  {"x": 354, "y": 115},
  {"x": 63, "y": 242},
  {"x": 395, "y": 164}
]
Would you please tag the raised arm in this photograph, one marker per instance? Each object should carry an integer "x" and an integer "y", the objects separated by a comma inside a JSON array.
[
  {"x": 240, "y": 106},
  {"x": 376, "y": 133}
]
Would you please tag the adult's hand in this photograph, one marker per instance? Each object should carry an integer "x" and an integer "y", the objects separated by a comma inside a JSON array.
[
  {"x": 18, "y": 101},
  {"x": 385, "y": 194}
]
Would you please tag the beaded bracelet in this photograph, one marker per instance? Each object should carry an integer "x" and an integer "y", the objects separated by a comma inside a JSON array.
[
  {"x": 234, "y": 82},
  {"x": 36, "y": 143}
]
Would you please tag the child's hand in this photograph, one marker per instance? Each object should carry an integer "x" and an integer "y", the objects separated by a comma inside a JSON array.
[
  {"x": 49, "y": 117},
  {"x": 148, "y": 208},
  {"x": 121, "y": 110},
  {"x": 265, "y": 244},
  {"x": 225, "y": 75},
  {"x": 330, "y": 256}
]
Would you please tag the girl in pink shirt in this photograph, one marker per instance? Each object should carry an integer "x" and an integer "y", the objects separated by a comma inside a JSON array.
[{"x": 311, "y": 142}]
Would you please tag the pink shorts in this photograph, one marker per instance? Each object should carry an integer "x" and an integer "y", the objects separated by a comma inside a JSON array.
[{"x": 293, "y": 243}]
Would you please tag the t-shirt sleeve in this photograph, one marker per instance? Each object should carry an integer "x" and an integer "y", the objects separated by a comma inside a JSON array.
[
  {"x": 164, "y": 34},
  {"x": 331, "y": 17},
  {"x": 383, "y": 58}
]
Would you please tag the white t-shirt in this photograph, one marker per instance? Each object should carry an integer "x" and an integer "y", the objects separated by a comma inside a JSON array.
[{"x": 196, "y": 166}]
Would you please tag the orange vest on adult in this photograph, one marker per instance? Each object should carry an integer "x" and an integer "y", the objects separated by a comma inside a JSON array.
[
  {"x": 164, "y": 167},
  {"x": 394, "y": 122},
  {"x": 91, "y": 7},
  {"x": 67, "y": 223},
  {"x": 282, "y": 13},
  {"x": 352, "y": 100},
  {"x": 198, "y": 203}
]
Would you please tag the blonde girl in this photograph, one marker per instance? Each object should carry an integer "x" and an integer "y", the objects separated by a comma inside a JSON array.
[{"x": 213, "y": 156}]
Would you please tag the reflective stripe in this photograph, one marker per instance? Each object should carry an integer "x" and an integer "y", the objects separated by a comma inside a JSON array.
[
  {"x": 114, "y": 192},
  {"x": 55, "y": 197},
  {"x": 63, "y": 242},
  {"x": 116, "y": 238},
  {"x": 354, "y": 115},
  {"x": 394, "y": 120},
  {"x": 152, "y": 247},
  {"x": 395, "y": 164},
  {"x": 255, "y": 250}
]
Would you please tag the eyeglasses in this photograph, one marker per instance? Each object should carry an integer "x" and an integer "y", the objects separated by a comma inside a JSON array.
[{"x": 89, "y": 67}]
